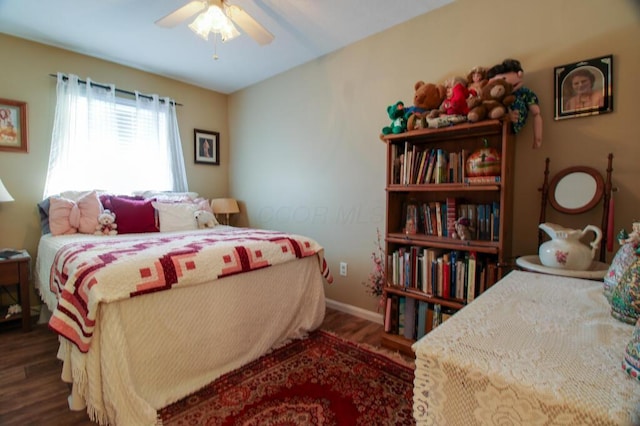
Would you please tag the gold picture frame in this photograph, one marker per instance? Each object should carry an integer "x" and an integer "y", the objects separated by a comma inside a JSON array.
[{"x": 13, "y": 126}]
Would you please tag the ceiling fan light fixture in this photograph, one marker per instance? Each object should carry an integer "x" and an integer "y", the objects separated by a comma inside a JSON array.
[{"x": 214, "y": 20}]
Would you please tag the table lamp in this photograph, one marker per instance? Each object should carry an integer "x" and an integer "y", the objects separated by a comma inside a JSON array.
[
  {"x": 4, "y": 194},
  {"x": 225, "y": 206}
]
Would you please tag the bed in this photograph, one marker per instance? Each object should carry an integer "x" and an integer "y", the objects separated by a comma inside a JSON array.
[
  {"x": 534, "y": 349},
  {"x": 146, "y": 319}
]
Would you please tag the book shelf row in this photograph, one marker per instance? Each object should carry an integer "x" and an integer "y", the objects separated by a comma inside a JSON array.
[
  {"x": 411, "y": 318},
  {"x": 457, "y": 275},
  {"x": 438, "y": 218},
  {"x": 414, "y": 165}
]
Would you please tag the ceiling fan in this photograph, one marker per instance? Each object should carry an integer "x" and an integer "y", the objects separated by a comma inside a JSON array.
[{"x": 217, "y": 17}]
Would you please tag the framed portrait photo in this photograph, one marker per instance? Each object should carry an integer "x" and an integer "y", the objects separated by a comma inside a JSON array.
[
  {"x": 206, "y": 147},
  {"x": 13, "y": 126},
  {"x": 584, "y": 88}
]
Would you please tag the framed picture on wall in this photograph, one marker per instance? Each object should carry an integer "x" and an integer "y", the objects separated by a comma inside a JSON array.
[
  {"x": 13, "y": 126},
  {"x": 584, "y": 88},
  {"x": 206, "y": 147}
]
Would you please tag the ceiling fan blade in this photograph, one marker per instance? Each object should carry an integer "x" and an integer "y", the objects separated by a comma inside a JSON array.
[
  {"x": 179, "y": 15},
  {"x": 249, "y": 25}
]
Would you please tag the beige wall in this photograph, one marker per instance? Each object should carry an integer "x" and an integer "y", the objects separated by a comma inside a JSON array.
[
  {"x": 301, "y": 151},
  {"x": 26, "y": 78},
  {"x": 305, "y": 153}
]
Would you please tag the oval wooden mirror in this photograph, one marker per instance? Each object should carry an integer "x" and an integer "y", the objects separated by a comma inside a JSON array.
[{"x": 576, "y": 190}]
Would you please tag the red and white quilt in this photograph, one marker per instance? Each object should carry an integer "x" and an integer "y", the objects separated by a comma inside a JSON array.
[{"x": 85, "y": 274}]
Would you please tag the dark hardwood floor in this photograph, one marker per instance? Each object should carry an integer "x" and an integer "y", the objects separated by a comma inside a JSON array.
[{"x": 32, "y": 393}]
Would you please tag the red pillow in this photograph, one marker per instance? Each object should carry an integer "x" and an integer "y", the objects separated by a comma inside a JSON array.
[{"x": 133, "y": 216}]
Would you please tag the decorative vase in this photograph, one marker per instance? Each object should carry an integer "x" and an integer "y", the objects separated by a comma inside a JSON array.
[
  {"x": 624, "y": 258},
  {"x": 631, "y": 360},
  {"x": 625, "y": 297},
  {"x": 564, "y": 250}
]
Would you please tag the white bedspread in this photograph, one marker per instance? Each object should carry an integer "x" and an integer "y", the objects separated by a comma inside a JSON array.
[
  {"x": 152, "y": 350},
  {"x": 532, "y": 350}
]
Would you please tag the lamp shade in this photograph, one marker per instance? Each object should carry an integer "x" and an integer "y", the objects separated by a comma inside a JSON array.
[
  {"x": 4, "y": 194},
  {"x": 224, "y": 206}
]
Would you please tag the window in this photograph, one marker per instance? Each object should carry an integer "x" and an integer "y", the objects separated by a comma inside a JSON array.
[{"x": 100, "y": 141}]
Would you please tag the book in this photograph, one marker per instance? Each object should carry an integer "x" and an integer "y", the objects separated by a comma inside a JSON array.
[
  {"x": 481, "y": 179},
  {"x": 432, "y": 165},
  {"x": 471, "y": 277},
  {"x": 439, "y": 218},
  {"x": 451, "y": 215},
  {"x": 402, "y": 306},
  {"x": 387, "y": 316},
  {"x": 421, "y": 328},
  {"x": 409, "y": 318}
]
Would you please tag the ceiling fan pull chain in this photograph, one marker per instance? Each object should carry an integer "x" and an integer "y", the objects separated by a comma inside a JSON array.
[{"x": 215, "y": 47}]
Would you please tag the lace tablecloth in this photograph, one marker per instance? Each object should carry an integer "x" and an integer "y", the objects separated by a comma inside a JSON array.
[{"x": 532, "y": 350}]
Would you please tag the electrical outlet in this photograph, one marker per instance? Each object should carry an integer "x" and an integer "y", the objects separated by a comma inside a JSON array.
[{"x": 343, "y": 269}]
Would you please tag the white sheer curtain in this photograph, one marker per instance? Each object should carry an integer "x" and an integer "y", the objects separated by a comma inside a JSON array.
[{"x": 115, "y": 144}]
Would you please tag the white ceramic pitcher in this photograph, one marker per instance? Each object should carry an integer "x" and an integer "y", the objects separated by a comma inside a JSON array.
[{"x": 565, "y": 250}]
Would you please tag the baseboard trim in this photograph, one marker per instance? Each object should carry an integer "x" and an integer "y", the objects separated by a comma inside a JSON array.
[{"x": 355, "y": 311}]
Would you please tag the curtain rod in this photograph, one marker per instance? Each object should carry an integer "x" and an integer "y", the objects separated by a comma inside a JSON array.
[{"x": 126, "y": 92}]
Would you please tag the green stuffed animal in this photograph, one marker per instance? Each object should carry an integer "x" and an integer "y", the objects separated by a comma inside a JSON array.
[{"x": 396, "y": 113}]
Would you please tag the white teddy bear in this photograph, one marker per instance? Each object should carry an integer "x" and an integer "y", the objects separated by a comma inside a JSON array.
[
  {"x": 205, "y": 219},
  {"x": 106, "y": 224}
]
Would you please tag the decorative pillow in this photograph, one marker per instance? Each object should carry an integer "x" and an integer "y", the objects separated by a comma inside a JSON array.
[
  {"x": 631, "y": 360},
  {"x": 43, "y": 211},
  {"x": 176, "y": 216},
  {"x": 69, "y": 217},
  {"x": 105, "y": 199},
  {"x": 133, "y": 216}
]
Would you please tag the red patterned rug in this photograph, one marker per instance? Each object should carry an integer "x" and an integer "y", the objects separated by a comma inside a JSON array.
[{"x": 321, "y": 380}]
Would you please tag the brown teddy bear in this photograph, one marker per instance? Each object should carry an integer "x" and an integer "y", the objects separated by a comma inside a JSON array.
[
  {"x": 427, "y": 97},
  {"x": 493, "y": 103}
]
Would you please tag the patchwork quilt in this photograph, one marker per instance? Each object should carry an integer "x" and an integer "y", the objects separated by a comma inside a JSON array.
[{"x": 86, "y": 274}]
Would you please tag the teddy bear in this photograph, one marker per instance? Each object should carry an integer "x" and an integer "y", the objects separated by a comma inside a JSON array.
[
  {"x": 493, "y": 103},
  {"x": 106, "y": 224},
  {"x": 205, "y": 219},
  {"x": 396, "y": 113},
  {"x": 427, "y": 97}
]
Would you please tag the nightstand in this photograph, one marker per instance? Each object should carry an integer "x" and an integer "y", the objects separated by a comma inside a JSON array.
[{"x": 15, "y": 272}]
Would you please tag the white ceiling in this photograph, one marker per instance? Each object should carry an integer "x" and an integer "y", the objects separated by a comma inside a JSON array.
[{"x": 123, "y": 31}]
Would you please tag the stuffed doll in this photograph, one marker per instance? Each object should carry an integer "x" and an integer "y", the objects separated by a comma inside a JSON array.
[
  {"x": 396, "y": 113},
  {"x": 455, "y": 102},
  {"x": 526, "y": 102},
  {"x": 106, "y": 224},
  {"x": 476, "y": 80},
  {"x": 427, "y": 97}
]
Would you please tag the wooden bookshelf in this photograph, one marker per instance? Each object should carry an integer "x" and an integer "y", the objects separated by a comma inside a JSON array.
[{"x": 407, "y": 243}]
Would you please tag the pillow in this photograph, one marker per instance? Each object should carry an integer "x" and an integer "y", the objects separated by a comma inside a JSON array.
[
  {"x": 105, "y": 199},
  {"x": 43, "y": 211},
  {"x": 69, "y": 217},
  {"x": 176, "y": 216},
  {"x": 133, "y": 216}
]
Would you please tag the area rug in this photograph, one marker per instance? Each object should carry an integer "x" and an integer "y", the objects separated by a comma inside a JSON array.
[{"x": 320, "y": 380}]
